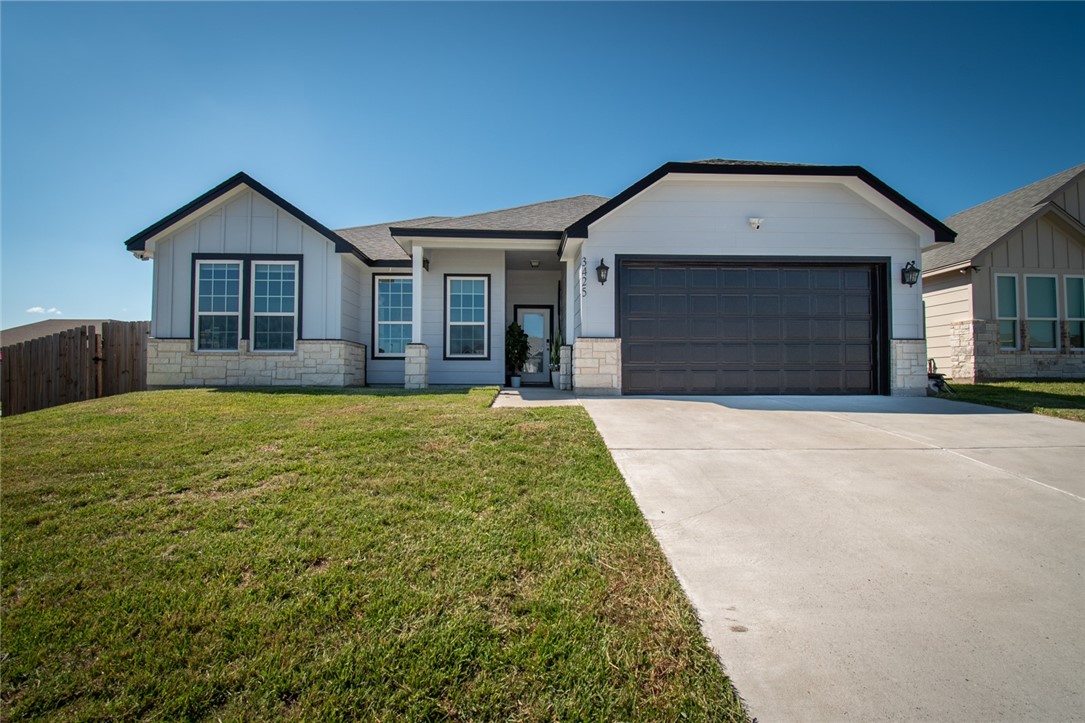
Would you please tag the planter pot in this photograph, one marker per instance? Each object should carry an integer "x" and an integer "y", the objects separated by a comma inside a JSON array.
[
  {"x": 515, "y": 381},
  {"x": 555, "y": 379}
]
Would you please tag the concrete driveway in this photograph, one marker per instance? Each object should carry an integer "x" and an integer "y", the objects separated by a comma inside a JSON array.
[{"x": 871, "y": 558}]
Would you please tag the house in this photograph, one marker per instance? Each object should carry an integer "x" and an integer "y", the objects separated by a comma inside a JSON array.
[
  {"x": 1007, "y": 300},
  {"x": 709, "y": 277}
]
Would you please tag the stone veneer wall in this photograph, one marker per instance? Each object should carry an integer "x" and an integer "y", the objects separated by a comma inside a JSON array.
[
  {"x": 172, "y": 363},
  {"x": 977, "y": 356},
  {"x": 597, "y": 366},
  {"x": 416, "y": 367},
  {"x": 908, "y": 367},
  {"x": 565, "y": 373}
]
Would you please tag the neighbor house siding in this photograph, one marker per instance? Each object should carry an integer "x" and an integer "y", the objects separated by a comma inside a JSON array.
[
  {"x": 948, "y": 299},
  {"x": 467, "y": 263},
  {"x": 1072, "y": 199},
  {"x": 245, "y": 224},
  {"x": 709, "y": 217}
]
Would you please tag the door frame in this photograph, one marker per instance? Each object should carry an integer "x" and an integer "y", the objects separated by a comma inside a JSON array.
[{"x": 550, "y": 339}]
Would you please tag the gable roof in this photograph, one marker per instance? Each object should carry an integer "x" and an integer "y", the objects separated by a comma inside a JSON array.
[
  {"x": 546, "y": 220},
  {"x": 980, "y": 227},
  {"x": 139, "y": 241},
  {"x": 579, "y": 229}
]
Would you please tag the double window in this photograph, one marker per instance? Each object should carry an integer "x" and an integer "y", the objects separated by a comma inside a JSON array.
[
  {"x": 228, "y": 310},
  {"x": 467, "y": 305},
  {"x": 1041, "y": 310},
  {"x": 1006, "y": 301},
  {"x": 1042, "y": 307},
  {"x": 1075, "y": 311},
  {"x": 393, "y": 309}
]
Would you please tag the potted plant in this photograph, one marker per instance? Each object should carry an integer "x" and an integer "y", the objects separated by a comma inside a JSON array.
[
  {"x": 516, "y": 351},
  {"x": 555, "y": 360}
]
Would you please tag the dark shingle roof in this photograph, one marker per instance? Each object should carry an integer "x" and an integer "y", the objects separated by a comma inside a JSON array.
[
  {"x": 548, "y": 216},
  {"x": 981, "y": 226},
  {"x": 375, "y": 242}
]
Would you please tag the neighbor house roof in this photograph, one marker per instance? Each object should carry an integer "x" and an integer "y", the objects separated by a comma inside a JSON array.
[
  {"x": 47, "y": 327},
  {"x": 546, "y": 220},
  {"x": 579, "y": 229},
  {"x": 980, "y": 227}
]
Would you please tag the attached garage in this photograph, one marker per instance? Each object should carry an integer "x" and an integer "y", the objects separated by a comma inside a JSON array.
[{"x": 760, "y": 326}]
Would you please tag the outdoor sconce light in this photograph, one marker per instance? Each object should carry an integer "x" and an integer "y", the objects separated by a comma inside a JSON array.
[
  {"x": 602, "y": 270},
  {"x": 909, "y": 274},
  {"x": 425, "y": 263},
  {"x": 755, "y": 223}
]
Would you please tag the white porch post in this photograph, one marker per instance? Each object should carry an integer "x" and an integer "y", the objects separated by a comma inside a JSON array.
[
  {"x": 572, "y": 288},
  {"x": 416, "y": 294}
]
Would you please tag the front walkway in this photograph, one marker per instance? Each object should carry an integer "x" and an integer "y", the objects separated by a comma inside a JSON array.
[
  {"x": 535, "y": 397},
  {"x": 871, "y": 558}
]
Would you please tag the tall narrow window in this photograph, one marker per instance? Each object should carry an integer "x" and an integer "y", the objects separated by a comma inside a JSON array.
[
  {"x": 1075, "y": 311},
  {"x": 1042, "y": 308},
  {"x": 393, "y": 311},
  {"x": 1006, "y": 292},
  {"x": 466, "y": 305},
  {"x": 218, "y": 305},
  {"x": 274, "y": 306}
]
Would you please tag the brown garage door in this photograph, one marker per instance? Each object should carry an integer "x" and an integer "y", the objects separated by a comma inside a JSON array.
[{"x": 751, "y": 328}]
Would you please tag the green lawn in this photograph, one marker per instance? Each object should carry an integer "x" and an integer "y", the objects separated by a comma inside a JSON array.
[
  {"x": 254, "y": 555},
  {"x": 1055, "y": 398}
]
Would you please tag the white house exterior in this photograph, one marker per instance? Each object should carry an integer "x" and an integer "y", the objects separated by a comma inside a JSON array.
[{"x": 725, "y": 277}]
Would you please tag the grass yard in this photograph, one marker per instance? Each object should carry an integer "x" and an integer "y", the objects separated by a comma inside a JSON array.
[
  {"x": 1055, "y": 398},
  {"x": 253, "y": 555}
]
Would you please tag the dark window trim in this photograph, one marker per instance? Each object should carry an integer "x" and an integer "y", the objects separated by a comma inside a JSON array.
[
  {"x": 246, "y": 290},
  {"x": 881, "y": 291},
  {"x": 373, "y": 341},
  {"x": 489, "y": 320}
]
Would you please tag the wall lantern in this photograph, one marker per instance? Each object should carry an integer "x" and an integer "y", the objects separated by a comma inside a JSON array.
[
  {"x": 602, "y": 270},
  {"x": 425, "y": 263},
  {"x": 909, "y": 274}
]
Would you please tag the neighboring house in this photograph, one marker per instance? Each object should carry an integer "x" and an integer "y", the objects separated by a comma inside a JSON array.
[
  {"x": 725, "y": 277},
  {"x": 48, "y": 327},
  {"x": 1007, "y": 300}
]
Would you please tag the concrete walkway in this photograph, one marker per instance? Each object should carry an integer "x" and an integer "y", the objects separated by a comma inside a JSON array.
[
  {"x": 534, "y": 397},
  {"x": 871, "y": 558}
]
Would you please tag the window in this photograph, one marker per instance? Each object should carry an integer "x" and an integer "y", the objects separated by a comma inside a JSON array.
[
  {"x": 1006, "y": 300},
  {"x": 1042, "y": 307},
  {"x": 1075, "y": 311},
  {"x": 218, "y": 305},
  {"x": 274, "y": 303},
  {"x": 393, "y": 313},
  {"x": 466, "y": 307}
]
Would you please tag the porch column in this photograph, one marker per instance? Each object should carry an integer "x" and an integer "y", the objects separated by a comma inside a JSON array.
[
  {"x": 416, "y": 294},
  {"x": 572, "y": 288}
]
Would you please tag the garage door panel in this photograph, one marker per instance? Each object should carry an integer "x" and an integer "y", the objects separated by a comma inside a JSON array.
[{"x": 719, "y": 328}]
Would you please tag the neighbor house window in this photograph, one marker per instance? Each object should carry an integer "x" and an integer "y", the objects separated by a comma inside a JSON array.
[
  {"x": 218, "y": 305},
  {"x": 466, "y": 305},
  {"x": 274, "y": 305},
  {"x": 1042, "y": 308},
  {"x": 1006, "y": 300},
  {"x": 1075, "y": 311},
  {"x": 393, "y": 311}
]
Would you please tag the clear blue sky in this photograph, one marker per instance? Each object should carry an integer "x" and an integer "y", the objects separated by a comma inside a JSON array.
[{"x": 113, "y": 115}]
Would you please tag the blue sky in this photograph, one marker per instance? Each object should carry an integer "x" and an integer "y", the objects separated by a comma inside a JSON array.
[{"x": 113, "y": 115}]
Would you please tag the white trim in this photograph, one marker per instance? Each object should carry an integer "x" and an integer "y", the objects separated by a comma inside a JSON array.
[
  {"x": 999, "y": 318},
  {"x": 253, "y": 313},
  {"x": 1054, "y": 320},
  {"x": 196, "y": 313},
  {"x": 1066, "y": 299},
  {"x": 485, "y": 323},
  {"x": 417, "y": 271},
  {"x": 377, "y": 278}
]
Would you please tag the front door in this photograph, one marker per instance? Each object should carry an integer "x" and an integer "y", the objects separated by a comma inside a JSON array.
[{"x": 536, "y": 323}]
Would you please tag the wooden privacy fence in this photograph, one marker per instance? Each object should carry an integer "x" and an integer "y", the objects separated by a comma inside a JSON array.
[{"x": 74, "y": 365}]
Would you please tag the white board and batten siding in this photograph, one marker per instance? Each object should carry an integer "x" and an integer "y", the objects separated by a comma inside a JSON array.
[
  {"x": 709, "y": 216},
  {"x": 246, "y": 223}
]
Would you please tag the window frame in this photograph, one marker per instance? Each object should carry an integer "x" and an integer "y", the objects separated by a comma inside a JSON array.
[
  {"x": 251, "y": 299},
  {"x": 1045, "y": 319},
  {"x": 196, "y": 313},
  {"x": 374, "y": 353},
  {"x": 999, "y": 318},
  {"x": 1066, "y": 298},
  {"x": 448, "y": 279}
]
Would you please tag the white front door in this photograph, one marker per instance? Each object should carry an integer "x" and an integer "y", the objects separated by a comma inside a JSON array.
[{"x": 536, "y": 323}]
